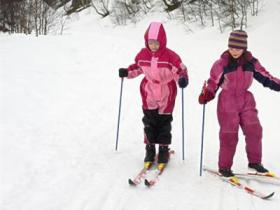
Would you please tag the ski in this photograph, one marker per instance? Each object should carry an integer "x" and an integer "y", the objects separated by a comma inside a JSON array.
[
  {"x": 256, "y": 174},
  {"x": 234, "y": 181},
  {"x": 159, "y": 170},
  {"x": 141, "y": 174},
  {"x": 268, "y": 177}
]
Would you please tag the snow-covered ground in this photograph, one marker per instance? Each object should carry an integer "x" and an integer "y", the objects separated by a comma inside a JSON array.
[{"x": 59, "y": 104}]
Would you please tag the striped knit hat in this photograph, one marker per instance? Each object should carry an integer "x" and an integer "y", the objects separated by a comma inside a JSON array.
[{"x": 238, "y": 39}]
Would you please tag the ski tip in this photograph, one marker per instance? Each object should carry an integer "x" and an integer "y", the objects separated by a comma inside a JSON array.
[
  {"x": 270, "y": 174},
  {"x": 268, "y": 196},
  {"x": 147, "y": 183},
  {"x": 131, "y": 183}
]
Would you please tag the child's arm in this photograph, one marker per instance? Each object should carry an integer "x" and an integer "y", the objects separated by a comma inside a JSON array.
[
  {"x": 134, "y": 69},
  {"x": 212, "y": 85},
  {"x": 216, "y": 77},
  {"x": 264, "y": 77},
  {"x": 178, "y": 68}
]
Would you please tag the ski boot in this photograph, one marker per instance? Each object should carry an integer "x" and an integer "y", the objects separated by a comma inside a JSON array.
[
  {"x": 257, "y": 167},
  {"x": 163, "y": 156},
  {"x": 227, "y": 173},
  {"x": 150, "y": 155}
]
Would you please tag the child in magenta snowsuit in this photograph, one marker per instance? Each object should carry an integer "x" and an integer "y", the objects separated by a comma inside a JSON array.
[
  {"x": 162, "y": 69},
  {"x": 234, "y": 73}
]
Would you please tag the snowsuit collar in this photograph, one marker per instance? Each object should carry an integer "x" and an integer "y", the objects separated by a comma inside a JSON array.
[{"x": 226, "y": 57}]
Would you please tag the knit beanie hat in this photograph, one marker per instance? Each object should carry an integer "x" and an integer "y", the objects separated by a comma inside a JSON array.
[{"x": 238, "y": 39}]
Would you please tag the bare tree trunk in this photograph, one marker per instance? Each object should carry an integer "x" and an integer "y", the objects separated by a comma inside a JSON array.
[
  {"x": 183, "y": 12},
  {"x": 243, "y": 5},
  {"x": 218, "y": 14},
  {"x": 62, "y": 22},
  {"x": 232, "y": 13},
  {"x": 104, "y": 10},
  {"x": 255, "y": 7},
  {"x": 212, "y": 13},
  {"x": 36, "y": 18},
  {"x": 45, "y": 26},
  {"x": 147, "y": 4},
  {"x": 172, "y": 5},
  {"x": 201, "y": 12},
  {"x": 193, "y": 12}
]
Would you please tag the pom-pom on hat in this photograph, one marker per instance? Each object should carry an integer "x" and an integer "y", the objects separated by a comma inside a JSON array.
[{"x": 238, "y": 39}]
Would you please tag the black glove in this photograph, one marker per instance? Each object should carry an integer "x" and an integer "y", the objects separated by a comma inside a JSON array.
[
  {"x": 123, "y": 72},
  {"x": 183, "y": 82}
]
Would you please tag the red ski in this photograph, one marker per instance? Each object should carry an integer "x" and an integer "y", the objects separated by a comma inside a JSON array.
[
  {"x": 234, "y": 181},
  {"x": 268, "y": 177},
  {"x": 138, "y": 178},
  {"x": 159, "y": 170}
]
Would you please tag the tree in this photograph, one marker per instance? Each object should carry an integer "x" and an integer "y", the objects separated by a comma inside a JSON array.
[
  {"x": 171, "y": 4},
  {"x": 55, "y": 4},
  {"x": 26, "y": 16},
  {"x": 101, "y": 7}
]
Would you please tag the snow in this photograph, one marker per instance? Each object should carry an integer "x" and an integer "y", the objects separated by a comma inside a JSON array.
[{"x": 59, "y": 107}]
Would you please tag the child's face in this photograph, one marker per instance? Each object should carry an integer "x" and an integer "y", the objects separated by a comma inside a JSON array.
[
  {"x": 235, "y": 53},
  {"x": 153, "y": 45}
]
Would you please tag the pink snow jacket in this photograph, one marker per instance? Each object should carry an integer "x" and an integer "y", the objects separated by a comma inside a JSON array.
[
  {"x": 161, "y": 69},
  {"x": 237, "y": 77}
]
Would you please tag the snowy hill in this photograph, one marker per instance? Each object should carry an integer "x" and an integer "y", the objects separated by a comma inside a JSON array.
[{"x": 59, "y": 106}]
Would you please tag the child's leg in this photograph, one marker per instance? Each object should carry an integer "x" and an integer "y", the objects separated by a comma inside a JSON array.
[
  {"x": 252, "y": 130},
  {"x": 150, "y": 126},
  {"x": 164, "y": 136},
  {"x": 228, "y": 138},
  {"x": 229, "y": 123},
  {"x": 150, "y": 133},
  {"x": 164, "y": 129}
]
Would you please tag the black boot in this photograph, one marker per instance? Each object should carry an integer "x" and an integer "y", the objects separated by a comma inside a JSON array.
[
  {"x": 163, "y": 154},
  {"x": 226, "y": 172},
  {"x": 258, "y": 167},
  {"x": 150, "y": 153}
]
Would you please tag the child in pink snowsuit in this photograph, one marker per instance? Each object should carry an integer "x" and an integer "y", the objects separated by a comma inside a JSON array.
[
  {"x": 162, "y": 69},
  {"x": 234, "y": 73}
]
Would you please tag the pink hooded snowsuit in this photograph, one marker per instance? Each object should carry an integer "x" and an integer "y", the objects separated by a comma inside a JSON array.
[
  {"x": 161, "y": 70},
  {"x": 158, "y": 88},
  {"x": 236, "y": 105}
]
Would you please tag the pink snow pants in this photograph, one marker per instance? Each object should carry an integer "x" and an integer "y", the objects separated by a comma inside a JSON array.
[{"x": 236, "y": 109}]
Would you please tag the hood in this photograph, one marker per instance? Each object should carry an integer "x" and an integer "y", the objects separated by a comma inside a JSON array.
[{"x": 156, "y": 31}]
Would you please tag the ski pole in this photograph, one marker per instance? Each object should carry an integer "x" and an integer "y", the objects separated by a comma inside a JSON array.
[
  {"x": 118, "y": 127},
  {"x": 183, "y": 127},
  {"x": 202, "y": 140}
]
